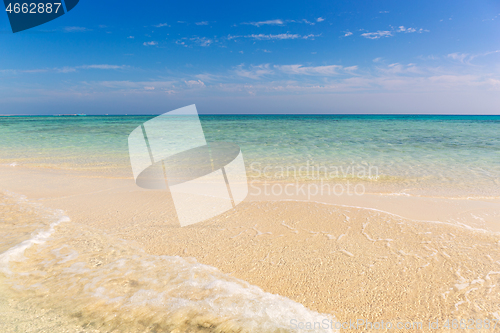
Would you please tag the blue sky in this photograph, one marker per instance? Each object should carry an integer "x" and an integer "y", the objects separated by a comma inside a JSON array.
[{"x": 118, "y": 57}]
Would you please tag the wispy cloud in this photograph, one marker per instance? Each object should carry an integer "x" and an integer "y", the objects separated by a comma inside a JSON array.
[
  {"x": 207, "y": 77},
  {"x": 302, "y": 21},
  {"x": 410, "y": 30},
  {"x": 347, "y": 34},
  {"x": 268, "y": 79},
  {"x": 276, "y": 36},
  {"x": 202, "y": 41},
  {"x": 384, "y": 12},
  {"x": 152, "y": 43},
  {"x": 103, "y": 67},
  {"x": 397, "y": 68},
  {"x": 195, "y": 83},
  {"x": 68, "y": 69},
  {"x": 458, "y": 56},
  {"x": 389, "y": 33},
  {"x": 283, "y": 22},
  {"x": 466, "y": 58},
  {"x": 315, "y": 70},
  {"x": 377, "y": 35},
  {"x": 258, "y": 72},
  {"x": 137, "y": 86},
  {"x": 161, "y": 25},
  {"x": 76, "y": 29},
  {"x": 34, "y": 71},
  {"x": 130, "y": 37},
  {"x": 268, "y": 22},
  {"x": 65, "y": 69},
  {"x": 202, "y": 23},
  {"x": 254, "y": 72}
]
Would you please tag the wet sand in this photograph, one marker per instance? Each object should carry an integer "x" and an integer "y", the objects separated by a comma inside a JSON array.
[{"x": 398, "y": 258}]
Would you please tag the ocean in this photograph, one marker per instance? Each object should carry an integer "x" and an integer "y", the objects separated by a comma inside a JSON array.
[
  {"x": 433, "y": 155},
  {"x": 60, "y": 275}
]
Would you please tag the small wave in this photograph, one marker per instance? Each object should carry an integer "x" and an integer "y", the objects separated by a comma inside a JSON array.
[
  {"x": 114, "y": 286},
  {"x": 16, "y": 253}
]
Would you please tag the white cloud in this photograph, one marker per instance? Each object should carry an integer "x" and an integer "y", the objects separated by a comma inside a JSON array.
[
  {"x": 255, "y": 72},
  {"x": 317, "y": 70},
  {"x": 34, "y": 71},
  {"x": 195, "y": 84},
  {"x": 458, "y": 56},
  {"x": 202, "y": 23},
  {"x": 383, "y": 12},
  {"x": 207, "y": 77},
  {"x": 347, "y": 34},
  {"x": 277, "y": 36},
  {"x": 161, "y": 25},
  {"x": 149, "y": 88},
  {"x": 130, "y": 37},
  {"x": 466, "y": 58},
  {"x": 397, "y": 68},
  {"x": 103, "y": 67},
  {"x": 152, "y": 43},
  {"x": 390, "y": 33},
  {"x": 310, "y": 36},
  {"x": 302, "y": 21},
  {"x": 138, "y": 85},
  {"x": 268, "y": 22},
  {"x": 410, "y": 30},
  {"x": 202, "y": 41},
  {"x": 377, "y": 35},
  {"x": 282, "y": 22},
  {"x": 351, "y": 68},
  {"x": 68, "y": 69}
]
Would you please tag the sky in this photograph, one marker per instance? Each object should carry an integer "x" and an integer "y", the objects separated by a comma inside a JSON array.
[{"x": 266, "y": 57}]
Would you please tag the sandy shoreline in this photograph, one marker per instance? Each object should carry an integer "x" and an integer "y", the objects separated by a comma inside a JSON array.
[{"x": 333, "y": 258}]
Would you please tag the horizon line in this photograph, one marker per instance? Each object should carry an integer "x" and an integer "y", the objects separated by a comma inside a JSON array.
[{"x": 249, "y": 114}]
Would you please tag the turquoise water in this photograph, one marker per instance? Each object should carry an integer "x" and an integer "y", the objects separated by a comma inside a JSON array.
[
  {"x": 424, "y": 152},
  {"x": 84, "y": 275}
]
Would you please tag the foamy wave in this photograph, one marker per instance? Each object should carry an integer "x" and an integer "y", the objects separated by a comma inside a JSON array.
[
  {"x": 16, "y": 253},
  {"x": 121, "y": 288},
  {"x": 170, "y": 293}
]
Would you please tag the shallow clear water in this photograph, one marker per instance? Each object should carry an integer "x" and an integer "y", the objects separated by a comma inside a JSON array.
[{"x": 432, "y": 154}]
